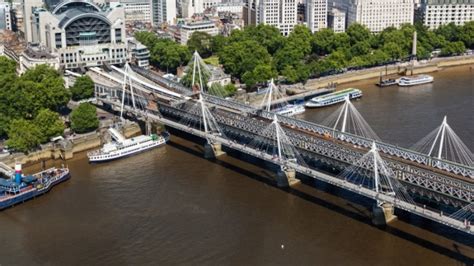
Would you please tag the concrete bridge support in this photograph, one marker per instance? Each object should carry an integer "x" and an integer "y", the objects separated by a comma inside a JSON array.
[
  {"x": 212, "y": 150},
  {"x": 287, "y": 178},
  {"x": 383, "y": 214}
]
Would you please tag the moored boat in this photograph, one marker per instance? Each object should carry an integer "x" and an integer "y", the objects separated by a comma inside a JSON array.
[
  {"x": 333, "y": 98},
  {"x": 414, "y": 80},
  {"x": 22, "y": 188},
  {"x": 291, "y": 110},
  {"x": 121, "y": 147},
  {"x": 387, "y": 82}
]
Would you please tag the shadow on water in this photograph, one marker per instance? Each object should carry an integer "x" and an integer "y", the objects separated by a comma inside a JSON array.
[{"x": 357, "y": 213}]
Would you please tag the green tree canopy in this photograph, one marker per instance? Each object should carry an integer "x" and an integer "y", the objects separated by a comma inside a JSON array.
[
  {"x": 23, "y": 135},
  {"x": 358, "y": 33},
  {"x": 260, "y": 74},
  {"x": 49, "y": 124},
  {"x": 84, "y": 118},
  {"x": 7, "y": 66},
  {"x": 241, "y": 57},
  {"x": 453, "y": 48},
  {"x": 83, "y": 88},
  {"x": 200, "y": 42}
]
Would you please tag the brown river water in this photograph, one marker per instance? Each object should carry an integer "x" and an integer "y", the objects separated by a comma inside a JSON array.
[{"x": 170, "y": 206}]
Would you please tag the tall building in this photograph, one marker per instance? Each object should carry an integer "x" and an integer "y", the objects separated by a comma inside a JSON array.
[
  {"x": 191, "y": 7},
  {"x": 137, "y": 11},
  {"x": 82, "y": 34},
  {"x": 28, "y": 21},
  {"x": 440, "y": 12},
  {"x": 380, "y": 14},
  {"x": 164, "y": 11},
  {"x": 5, "y": 16},
  {"x": 282, "y": 14},
  {"x": 337, "y": 20},
  {"x": 316, "y": 14},
  {"x": 188, "y": 29}
]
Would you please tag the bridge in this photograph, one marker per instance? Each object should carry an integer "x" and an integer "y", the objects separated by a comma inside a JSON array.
[{"x": 297, "y": 146}]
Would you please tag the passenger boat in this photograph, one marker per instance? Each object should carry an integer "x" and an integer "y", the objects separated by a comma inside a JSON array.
[
  {"x": 291, "y": 110},
  {"x": 22, "y": 188},
  {"x": 387, "y": 82},
  {"x": 120, "y": 146},
  {"x": 333, "y": 98},
  {"x": 414, "y": 80}
]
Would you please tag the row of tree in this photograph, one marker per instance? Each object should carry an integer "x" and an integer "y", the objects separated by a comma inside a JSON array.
[
  {"x": 258, "y": 53},
  {"x": 30, "y": 105}
]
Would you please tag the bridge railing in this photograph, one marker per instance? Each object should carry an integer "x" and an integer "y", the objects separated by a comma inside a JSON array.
[{"x": 389, "y": 149}]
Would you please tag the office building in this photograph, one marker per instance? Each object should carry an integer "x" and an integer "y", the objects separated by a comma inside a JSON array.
[
  {"x": 441, "y": 12},
  {"x": 316, "y": 14},
  {"x": 337, "y": 20}
]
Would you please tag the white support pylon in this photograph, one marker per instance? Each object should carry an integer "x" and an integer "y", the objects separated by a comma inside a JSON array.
[
  {"x": 275, "y": 122},
  {"x": 442, "y": 132},
  {"x": 343, "y": 113},
  {"x": 373, "y": 150},
  {"x": 204, "y": 119}
]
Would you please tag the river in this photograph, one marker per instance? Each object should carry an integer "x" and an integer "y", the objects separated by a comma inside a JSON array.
[{"x": 170, "y": 206}]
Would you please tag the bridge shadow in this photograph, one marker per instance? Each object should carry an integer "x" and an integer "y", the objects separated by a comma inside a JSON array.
[{"x": 353, "y": 203}]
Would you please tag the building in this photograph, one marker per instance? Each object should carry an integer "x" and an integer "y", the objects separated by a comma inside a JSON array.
[
  {"x": 337, "y": 20},
  {"x": 28, "y": 22},
  {"x": 381, "y": 14},
  {"x": 440, "y": 12},
  {"x": 5, "y": 16},
  {"x": 164, "y": 11},
  {"x": 81, "y": 33},
  {"x": 139, "y": 52},
  {"x": 34, "y": 56},
  {"x": 136, "y": 10},
  {"x": 282, "y": 14},
  {"x": 188, "y": 29},
  {"x": 191, "y": 7},
  {"x": 316, "y": 14}
]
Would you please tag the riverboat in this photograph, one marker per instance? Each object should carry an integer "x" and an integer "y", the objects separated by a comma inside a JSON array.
[
  {"x": 414, "y": 80},
  {"x": 21, "y": 188},
  {"x": 291, "y": 110},
  {"x": 333, "y": 98},
  {"x": 387, "y": 82},
  {"x": 121, "y": 147}
]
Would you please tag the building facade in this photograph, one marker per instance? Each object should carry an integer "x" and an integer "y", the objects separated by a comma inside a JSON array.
[
  {"x": 191, "y": 7},
  {"x": 282, "y": 14},
  {"x": 164, "y": 11},
  {"x": 5, "y": 16},
  {"x": 337, "y": 20},
  {"x": 204, "y": 26},
  {"x": 137, "y": 11},
  {"x": 83, "y": 34},
  {"x": 441, "y": 12},
  {"x": 316, "y": 14},
  {"x": 380, "y": 14}
]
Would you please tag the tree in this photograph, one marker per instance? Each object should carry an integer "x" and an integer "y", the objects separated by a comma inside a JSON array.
[
  {"x": 466, "y": 34},
  {"x": 259, "y": 74},
  {"x": 84, "y": 118},
  {"x": 360, "y": 48},
  {"x": 200, "y": 42},
  {"x": 49, "y": 124},
  {"x": 450, "y": 32},
  {"x": 453, "y": 48},
  {"x": 265, "y": 35},
  {"x": 23, "y": 135},
  {"x": 222, "y": 91},
  {"x": 50, "y": 84},
  {"x": 241, "y": 57},
  {"x": 322, "y": 41},
  {"x": 7, "y": 66},
  {"x": 290, "y": 74},
  {"x": 218, "y": 42},
  {"x": 83, "y": 88},
  {"x": 393, "y": 50},
  {"x": 357, "y": 33}
]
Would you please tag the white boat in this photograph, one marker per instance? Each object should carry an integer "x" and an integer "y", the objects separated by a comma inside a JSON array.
[
  {"x": 414, "y": 80},
  {"x": 291, "y": 110},
  {"x": 121, "y": 147},
  {"x": 333, "y": 98}
]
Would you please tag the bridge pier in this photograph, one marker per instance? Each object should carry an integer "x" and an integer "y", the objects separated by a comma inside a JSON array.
[
  {"x": 213, "y": 150},
  {"x": 286, "y": 178},
  {"x": 383, "y": 214}
]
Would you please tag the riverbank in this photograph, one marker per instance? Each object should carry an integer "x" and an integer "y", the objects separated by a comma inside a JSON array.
[
  {"x": 65, "y": 150},
  {"x": 421, "y": 67}
]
